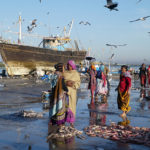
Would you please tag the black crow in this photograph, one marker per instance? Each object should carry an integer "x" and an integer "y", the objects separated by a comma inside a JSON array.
[{"x": 110, "y": 5}]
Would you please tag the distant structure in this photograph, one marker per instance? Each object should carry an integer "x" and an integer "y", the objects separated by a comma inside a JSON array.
[{"x": 111, "y": 5}]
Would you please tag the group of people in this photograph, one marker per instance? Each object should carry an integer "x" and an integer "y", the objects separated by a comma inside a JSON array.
[
  {"x": 63, "y": 94},
  {"x": 98, "y": 82},
  {"x": 144, "y": 75},
  {"x": 99, "y": 85}
]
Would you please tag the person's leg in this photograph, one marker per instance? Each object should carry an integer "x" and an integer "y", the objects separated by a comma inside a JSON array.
[{"x": 92, "y": 96}]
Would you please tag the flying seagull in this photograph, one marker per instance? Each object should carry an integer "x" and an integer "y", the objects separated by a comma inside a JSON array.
[
  {"x": 40, "y": 1},
  {"x": 115, "y": 46},
  {"x": 85, "y": 23},
  {"x": 142, "y": 19},
  {"x": 112, "y": 56},
  {"x": 34, "y": 23},
  {"x": 110, "y": 5},
  {"x": 29, "y": 28},
  {"x": 139, "y": 1}
]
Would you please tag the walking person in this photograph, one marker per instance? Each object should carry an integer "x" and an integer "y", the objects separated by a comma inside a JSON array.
[
  {"x": 142, "y": 75},
  {"x": 148, "y": 76},
  {"x": 72, "y": 80},
  {"x": 123, "y": 88},
  {"x": 92, "y": 82}
]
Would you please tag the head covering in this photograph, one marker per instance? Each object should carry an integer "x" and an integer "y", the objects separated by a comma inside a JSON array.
[
  {"x": 72, "y": 64},
  {"x": 101, "y": 68},
  {"x": 59, "y": 67},
  {"x": 93, "y": 67}
]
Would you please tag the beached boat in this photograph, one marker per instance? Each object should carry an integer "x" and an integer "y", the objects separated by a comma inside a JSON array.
[{"x": 21, "y": 59}]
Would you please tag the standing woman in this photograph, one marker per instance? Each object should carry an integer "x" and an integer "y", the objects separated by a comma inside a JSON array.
[
  {"x": 57, "y": 112},
  {"x": 72, "y": 80},
  {"x": 148, "y": 76},
  {"x": 92, "y": 82},
  {"x": 142, "y": 75},
  {"x": 124, "y": 91}
]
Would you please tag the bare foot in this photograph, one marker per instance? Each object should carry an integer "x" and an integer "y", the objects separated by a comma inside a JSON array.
[{"x": 123, "y": 115}]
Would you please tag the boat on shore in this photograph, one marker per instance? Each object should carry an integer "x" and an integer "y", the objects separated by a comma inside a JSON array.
[{"x": 21, "y": 59}]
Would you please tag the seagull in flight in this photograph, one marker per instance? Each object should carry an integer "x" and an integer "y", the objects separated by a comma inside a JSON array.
[
  {"x": 139, "y": 1},
  {"x": 29, "y": 29},
  {"x": 115, "y": 46},
  {"x": 142, "y": 19},
  {"x": 85, "y": 23},
  {"x": 40, "y": 1},
  {"x": 112, "y": 56},
  {"x": 110, "y": 5},
  {"x": 34, "y": 23}
]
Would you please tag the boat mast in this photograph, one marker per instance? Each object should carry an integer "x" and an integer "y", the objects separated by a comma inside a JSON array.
[{"x": 19, "y": 38}]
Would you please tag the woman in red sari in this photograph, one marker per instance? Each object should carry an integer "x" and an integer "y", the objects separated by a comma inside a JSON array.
[{"x": 124, "y": 91}]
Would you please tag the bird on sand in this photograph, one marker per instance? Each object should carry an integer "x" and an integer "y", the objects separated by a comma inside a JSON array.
[
  {"x": 142, "y": 19},
  {"x": 111, "y": 5},
  {"x": 85, "y": 23},
  {"x": 115, "y": 46}
]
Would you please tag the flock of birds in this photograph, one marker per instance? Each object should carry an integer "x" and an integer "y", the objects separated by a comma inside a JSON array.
[{"x": 110, "y": 5}]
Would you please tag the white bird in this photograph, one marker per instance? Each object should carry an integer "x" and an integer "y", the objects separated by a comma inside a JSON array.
[
  {"x": 110, "y": 5},
  {"x": 142, "y": 19}
]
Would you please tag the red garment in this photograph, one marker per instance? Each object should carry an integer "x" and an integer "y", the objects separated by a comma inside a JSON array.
[
  {"x": 143, "y": 80},
  {"x": 148, "y": 75},
  {"x": 125, "y": 83}
]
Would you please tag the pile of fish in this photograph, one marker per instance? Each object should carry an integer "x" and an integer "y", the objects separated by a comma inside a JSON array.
[
  {"x": 125, "y": 134},
  {"x": 65, "y": 132},
  {"x": 30, "y": 114}
]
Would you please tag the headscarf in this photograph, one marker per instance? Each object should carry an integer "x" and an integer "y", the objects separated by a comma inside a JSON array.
[
  {"x": 72, "y": 64},
  {"x": 59, "y": 67},
  {"x": 93, "y": 67},
  {"x": 101, "y": 68}
]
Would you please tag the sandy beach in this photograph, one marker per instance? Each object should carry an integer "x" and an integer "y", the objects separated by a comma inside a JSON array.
[{"x": 31, "y": 133}]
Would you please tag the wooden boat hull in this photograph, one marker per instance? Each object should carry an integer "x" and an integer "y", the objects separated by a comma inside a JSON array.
[{"x": 21, "y": 59}]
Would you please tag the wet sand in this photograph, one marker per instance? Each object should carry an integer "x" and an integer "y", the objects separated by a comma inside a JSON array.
[{"x": 26, "y": 133}]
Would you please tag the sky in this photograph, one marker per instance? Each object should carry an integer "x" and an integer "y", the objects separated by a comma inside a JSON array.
[{"x": 107, "y": 27}]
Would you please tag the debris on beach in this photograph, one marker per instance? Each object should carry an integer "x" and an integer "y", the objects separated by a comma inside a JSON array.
[
  {"x": 30, "y": 114},
  {"x": 65, "y": 132},
  {"x": 125, "y": 134}
]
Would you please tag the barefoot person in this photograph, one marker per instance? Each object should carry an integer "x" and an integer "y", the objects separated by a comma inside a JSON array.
[
  {"x": 124, "y": 91},
  {"x": 72, "y": 80},
  {"x": 92, "y": 82}
]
